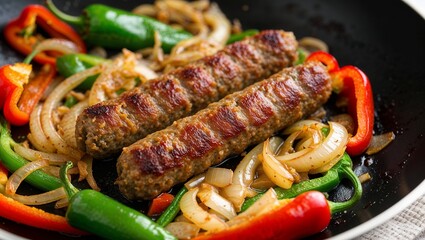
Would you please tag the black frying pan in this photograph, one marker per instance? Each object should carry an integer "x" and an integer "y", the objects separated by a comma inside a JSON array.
[{"x": 387, "y": 41}]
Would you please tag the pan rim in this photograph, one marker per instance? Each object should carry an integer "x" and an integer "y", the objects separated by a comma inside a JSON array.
[{"x": 385, "y": 216}]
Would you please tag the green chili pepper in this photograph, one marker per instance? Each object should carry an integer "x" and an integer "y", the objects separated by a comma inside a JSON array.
[
  {"x": 101, "y": 25},
  {"x": 172, "y": 210},
  {"x": 343, "y": 169},
  {"x": 240, "y": 36},
  {"x": 70, "y": 64},
  {"x": 302, "y": 55},
  {"x": 70, "y": 101},
  {"x": 97, "y": 213},
  {"x": 13, "y": 162}
]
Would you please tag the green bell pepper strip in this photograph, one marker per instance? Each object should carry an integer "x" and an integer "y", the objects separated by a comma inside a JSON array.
[
  {"x": 104, "y": 26},
  {"x": 240, "y": 36},
  {"x": 12, "y": 161},
  {"x": 97, "y": 213},
  {"x": 70, "y": 64},
  {"x": 172, "y": 210},
  {"x": 343, "y": 169}
]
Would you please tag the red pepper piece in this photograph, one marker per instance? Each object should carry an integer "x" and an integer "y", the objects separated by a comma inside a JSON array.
[
  {"x": 12, "y": 81},
  {"x": 159, "y": 204},
  {"x": 357, "y": 89},
  {"x": 307, "y": 214},
  {"x": 353, "y": 84},
  {"x": 18, "y": 95},
  {"x": 19, "y": 33},
  {"x": 34, "y": 90},
  {"x": 35, "y": 217}
]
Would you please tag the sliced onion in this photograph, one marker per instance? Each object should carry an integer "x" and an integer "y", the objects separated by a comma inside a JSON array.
[
  {"x": 262, "y": 182},
  {"x": 379, "y": 142},
  {"x": 244, "y": 174},
  {"x": 42, "y": 198},
  {"x": 210, "y": 197},
  {"x": 201, "y": 218},
  {"x": 313, "y": 44},
  {"x": 53, "y": 101},
  {"x": 19, "y": 175},
  {"x": 90, "y": 178},
  {"x": 219, "y": 23},
  {"x": 36, "y": 136},
  {"x": 68, "y": 122},
  {"x": 332, "y": 146},
  {"x": 328, "y": 166},
  {"x": 310, "y": 137},
  {"x": 55, "y": 44},
  {"x": 345, "y": 120},
  {"x": 276, "y": 171},
  {"x": 61, "y": 203},
  {"x": 34, "y": 155},
  {"x": 143, "y": 69},
  {"x": 365, "y": 177},
  {"x": 195, "y": 181},
  {"x": 287, "y": 146},
  {"x": 219, "y": 177},
  {"x": 183, "y": 230},
  {"x": 265, "y": 203},
  {"x": 300, "y": 125},
  {"x": 120, "y": 74}
]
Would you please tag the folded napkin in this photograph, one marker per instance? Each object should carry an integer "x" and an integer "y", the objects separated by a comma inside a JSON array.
[{"x": 409, "y": 224}]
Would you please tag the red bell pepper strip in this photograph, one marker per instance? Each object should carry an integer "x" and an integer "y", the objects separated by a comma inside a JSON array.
[
  {"x": 18, "y": 95},
  {"x": 12, "y": 81},
  {"x": 19, "y": 33},
  {"x": 305, "y": 215},
  {"x": 357, "y": 89},
  {"x": 34, "y": 90},
  {"x": 159, "y": 204},
  {"x": 35, "y": 217}
]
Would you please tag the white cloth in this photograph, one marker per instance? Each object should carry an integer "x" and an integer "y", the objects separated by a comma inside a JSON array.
[{"x": 409, "y": 224}]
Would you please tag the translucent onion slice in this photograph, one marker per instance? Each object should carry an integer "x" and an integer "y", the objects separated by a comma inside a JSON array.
[
  {"x": 19, "y": 175},
  {"x": 195, "y": 181},
  {"x": 183, "y": 230},
  {"x": 210, "y": 197},
  {"x": 300, "y": 125},
  {"x": 276, "y": 171},
  {"x": 220, "y": 25},
  {"x": 267, "y": 202},
  {"x": 328, "y": 166},
  {"x": 120, "y": 74},
  {"x": 61, "y": 203},
  {"x": 34, "y": 155},
  {"x": 67, "y": 124},
  {"x": 219, "y": 177},
  {"x": 90, "y": 178},
  {"x": 55, "y": 44},
  {"x": 244, "y": 174},
  {"x": 36, "y": 136},
  {"x": 42, "y": 198},
  {"x": 53, "y": 101},
  {"x": 379, "y": 142},
  {"x": 309, "y": 138},
  {"x": 332, "y": 146},
  {"x": 201, "y": 218}
]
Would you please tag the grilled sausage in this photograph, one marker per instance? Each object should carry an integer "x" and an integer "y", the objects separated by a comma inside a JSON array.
[
  {"x": 192, "y": 144},
  {"x": 105, "y": 128}
]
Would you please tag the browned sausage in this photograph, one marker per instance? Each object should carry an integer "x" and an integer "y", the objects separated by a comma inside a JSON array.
[
  {"x": 105, "y": 128},
  {"x": 192, "y": 144}
]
